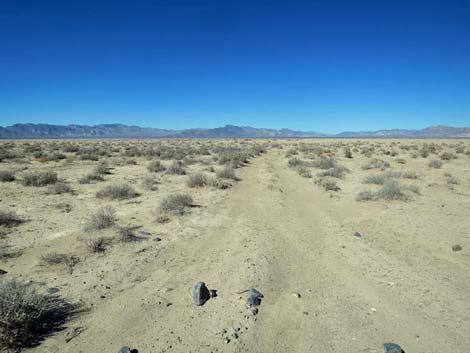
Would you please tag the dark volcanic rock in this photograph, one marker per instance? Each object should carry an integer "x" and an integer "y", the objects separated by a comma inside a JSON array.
[
  {"x": 200, "y": 293},
  {"x": 392, "y": 348}
]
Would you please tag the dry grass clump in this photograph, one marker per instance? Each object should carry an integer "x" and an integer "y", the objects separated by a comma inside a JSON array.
[
  {"x": 59, "y": 188},
  {"x": 197, "y": 180},
  {"x": 176, "y": 204},
  {"x": 376, "y": 164},
  {"x": 155, "y": 166},
  {"x": 176, "y": 168},
  {"x": 117, "y": 192},
  {"x": 38, "y": 178},
  {"x": 97, "y": 245},
  {"x": 69, "y": 261},
  {"x": 104, "y": 218},
  {"x": 227, "y": 173},
  {"x": 28, "y": 316},
  {"x": 434, "y": 163},
  {"x": 9, "y": 219},
  {"x": 6, "y": 175}
]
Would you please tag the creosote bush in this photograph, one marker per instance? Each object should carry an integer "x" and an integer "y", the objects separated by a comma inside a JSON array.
[
  {"x": 28, "y": 316},
  {"x": 102, "y": 219},
  {"x": 117, "y": 192},
  {"x": 39, "y": 178}
]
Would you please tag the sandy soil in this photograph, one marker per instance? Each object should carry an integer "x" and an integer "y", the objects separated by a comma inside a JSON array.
[{"x": 325, "y": 290}]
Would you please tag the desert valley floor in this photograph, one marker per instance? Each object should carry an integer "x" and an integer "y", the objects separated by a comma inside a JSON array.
[{"x": 353, "y": 243}]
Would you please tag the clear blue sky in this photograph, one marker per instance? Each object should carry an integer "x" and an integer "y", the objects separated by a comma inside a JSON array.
[{"x": 310, "y": 65}]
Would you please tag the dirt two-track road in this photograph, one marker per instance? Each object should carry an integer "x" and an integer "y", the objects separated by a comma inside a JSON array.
[{"x": 325, "y": 290}]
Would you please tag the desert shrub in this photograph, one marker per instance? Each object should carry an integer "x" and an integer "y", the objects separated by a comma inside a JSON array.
[
  {"x": 365, "y": 195},
  {"x": 8, "y": 219},
  {"x": 303, "y": 171},
  {"x": 87, "y": 179},
  {"x": 6, "y": 175},
  {"x": 176, "y": 204},
  {"x": 103, "y": 218},
  {"x": 196, "y": 180},
  {"x": 59, "y": 188},
  {"x": 69, "y": 261},
  {"x": 155, "y": 166},
  {"x": 380, "y": 179},
  {"x": 328, "y": 184},
  {"x": 291, "y": 152},
  {"x": 338, "y": 171},
  {"x": 176, "y": 168},
  {"x": 131, "y": 162},
  {"x": 219, "y": 183},
  {"x": 117, "y": 192},
  {"x": 391, "y": 190},
  {"x": 126, "y": 234},
  {"x": 233, "y": 158},
  {"x": 425, "y": 151},
  {"x": 414, "y": 189},
  {"x": 101, "y": 169},
  {"x": 294, "y": 162},
  {"x": 447, "y": 156},
  {"x": 434, "y": 163},
  {"x": 409, "y": 175},
  {"x": 97, "y": 245},
  {"x": 28, "y": 316},
  {"x": 325, "y": 163},
  {"x": 452, "y": 180},
  {"x": 227, "y": 173},
  {"x": 376, "y": 164},
  {"x": 348, "y": 153},
  {"x": 39, "y": 178},
  {"x": 149, "y": 183}
]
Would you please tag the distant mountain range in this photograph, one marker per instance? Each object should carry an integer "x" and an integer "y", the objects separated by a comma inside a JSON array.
[{"x": 37, "y": 131}]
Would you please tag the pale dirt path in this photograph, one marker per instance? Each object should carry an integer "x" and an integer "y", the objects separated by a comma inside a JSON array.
[{"x": 277, "y": 232}]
